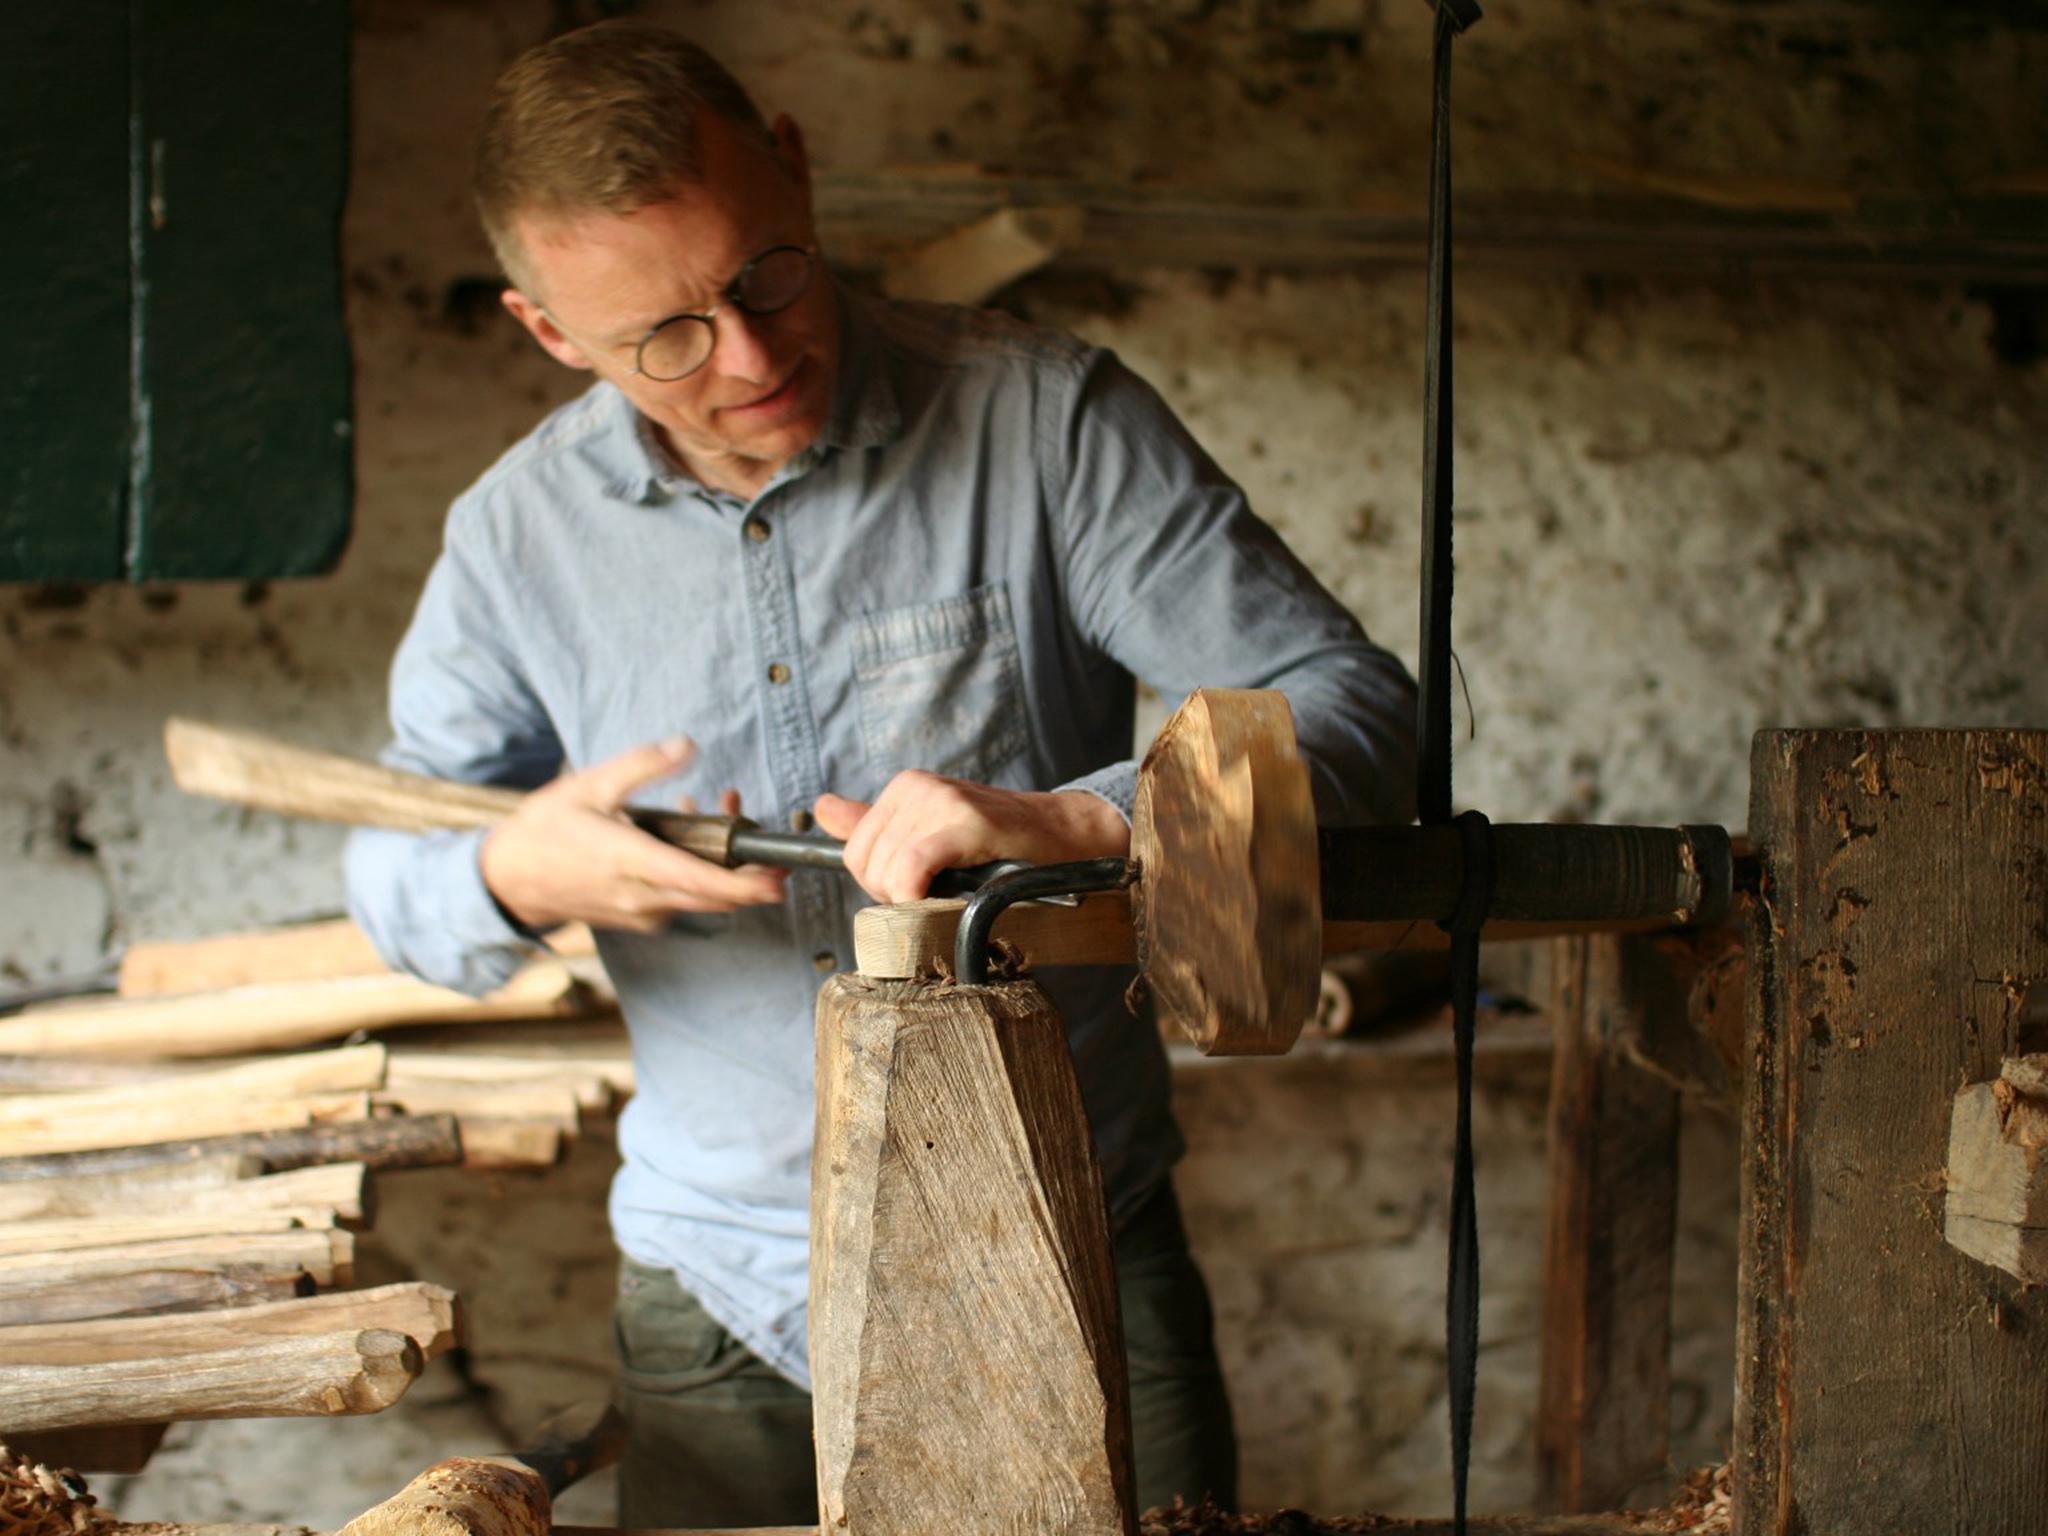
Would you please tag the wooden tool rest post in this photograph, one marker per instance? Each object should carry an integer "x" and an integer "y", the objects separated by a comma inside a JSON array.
[{"x": 965, "y": 1344}]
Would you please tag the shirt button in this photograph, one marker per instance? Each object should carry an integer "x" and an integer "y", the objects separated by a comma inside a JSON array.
[
  {"x": 825, "y": 960},
  {"x": 757, "y": 530},
  {"x": 778, "y": 673},
  {"x": 800, "y": 821}
]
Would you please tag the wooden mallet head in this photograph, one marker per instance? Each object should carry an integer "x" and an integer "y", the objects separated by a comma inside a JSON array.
[{"x": 1228, "y": 901}]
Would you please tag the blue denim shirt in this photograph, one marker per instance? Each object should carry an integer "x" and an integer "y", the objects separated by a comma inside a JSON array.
[{"x": 997, "y": 529}]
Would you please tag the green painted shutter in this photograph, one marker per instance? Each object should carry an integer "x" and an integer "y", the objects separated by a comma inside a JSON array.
[{"x": 181, "y": 404}]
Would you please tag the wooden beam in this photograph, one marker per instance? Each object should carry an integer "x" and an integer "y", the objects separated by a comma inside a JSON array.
[
  {"x": 867, "y": 218},
  {"x": 353, "y": 1371},
  {"x": 427, "y": 1314},
  {"x": 966, "y": 1349},
  {"x": 1603, "y": 1409},
  {"x": 1878, "y": 1369}
]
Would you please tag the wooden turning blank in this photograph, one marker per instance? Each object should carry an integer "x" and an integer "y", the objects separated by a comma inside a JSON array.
[
  {"x": 1228, "y": 904},
  {"x": 966, "y": 1349}
]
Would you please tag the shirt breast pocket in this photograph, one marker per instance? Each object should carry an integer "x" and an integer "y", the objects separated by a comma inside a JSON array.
[{"x": 941, "y": 685}]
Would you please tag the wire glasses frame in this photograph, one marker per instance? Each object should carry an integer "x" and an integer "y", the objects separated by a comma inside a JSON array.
[{"x": 681, "y": 344}]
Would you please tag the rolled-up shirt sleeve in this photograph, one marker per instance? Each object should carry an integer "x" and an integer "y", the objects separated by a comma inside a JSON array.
[
  {"x": 460, "y": 709},
  {"x": 1173, "y": 575}
]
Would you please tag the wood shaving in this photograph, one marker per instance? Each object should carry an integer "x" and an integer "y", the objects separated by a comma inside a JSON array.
[{"x": 36, "y": 1500}]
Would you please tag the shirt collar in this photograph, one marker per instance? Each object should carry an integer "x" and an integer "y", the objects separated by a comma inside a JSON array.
[{"x": 865, "y": 414}]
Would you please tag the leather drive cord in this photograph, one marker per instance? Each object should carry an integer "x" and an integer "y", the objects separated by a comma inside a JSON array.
[{"x": 1433, "y": 762}]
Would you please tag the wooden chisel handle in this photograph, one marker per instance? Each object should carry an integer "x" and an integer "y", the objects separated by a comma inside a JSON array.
[{"x": 248, "y": 769}]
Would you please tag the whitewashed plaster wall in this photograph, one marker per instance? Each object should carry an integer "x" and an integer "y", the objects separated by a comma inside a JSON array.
[{"x": 1688, "y": 509}]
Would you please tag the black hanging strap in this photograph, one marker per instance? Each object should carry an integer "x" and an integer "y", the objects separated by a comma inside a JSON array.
[
  {"x": 1433, "y": 768},
  {"x": 1433, "y": 728},
  {"x": 1461, "y": 1292}
]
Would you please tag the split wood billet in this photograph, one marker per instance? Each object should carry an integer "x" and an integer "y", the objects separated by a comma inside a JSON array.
[
  {"x": 544, "y": 1102},
  {"x": 597, "y": 1082},
  {"x": 147, "y": 1293},
  {"x": 251, "y": 769},
  {"x": 966, "y": 1349},
  {"x": 429, "y": 1315},
  {"x": 260, "y": 1095},
  {"x": 398, "y": 1141},
  {"x": 915, "y": 938},
  {"x": 80, "y": 1236},
  {"x": 1228, "y": 909},
  {"x": 132, "y": 1189},
  {"x": 1996, "y": 1209},
  {"x": 1603, "y": 1409},
  {"x": 327, "y": 1256},
  {"x": 342, "y": 1069},
  {"x": 43, "y": 1125},
  {"x": 92, "y": 1447},
  {"x": 353, "y": 1371},
  {"x": 1885, "y": 1380},
  {"x": 274, "y": 956},
  {"x": 489, "y": 1144},
  {"x": 282, "y": 1016}
]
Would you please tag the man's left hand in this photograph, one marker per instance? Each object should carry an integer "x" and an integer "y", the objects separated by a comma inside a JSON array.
[{"x": 923, "y": 823}]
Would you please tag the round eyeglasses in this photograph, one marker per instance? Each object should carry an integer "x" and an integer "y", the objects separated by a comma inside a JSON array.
[{"x": 682, "y": 344}]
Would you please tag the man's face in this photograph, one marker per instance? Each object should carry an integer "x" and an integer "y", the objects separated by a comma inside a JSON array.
[{"x": 605, "y": 280}]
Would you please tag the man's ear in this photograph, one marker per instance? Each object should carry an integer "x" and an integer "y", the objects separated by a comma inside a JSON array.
[
  {"x": 544, "y": 329},
  {"x": 789, "y": 153}
]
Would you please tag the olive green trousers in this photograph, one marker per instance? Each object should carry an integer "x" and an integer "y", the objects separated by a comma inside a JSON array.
[{"x": 718, "y": 1438}]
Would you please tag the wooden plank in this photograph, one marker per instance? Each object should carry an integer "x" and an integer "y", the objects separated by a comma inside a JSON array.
[
  {"x": 148, "y": 1293},
  {"x": 427, "y": 1314},
  {"x": 297, "y": 1376},
  {"x": 1878, "y": 1369},
  {"x": 1603, "y": 1411},
  {"x": 280, "y": 1017},
  {"x": 273, "y": 956},
  {"x": 945, "y": 1112},
  {"x": 397, "y": 1141},
  {"x": 46, "y": 1125}
]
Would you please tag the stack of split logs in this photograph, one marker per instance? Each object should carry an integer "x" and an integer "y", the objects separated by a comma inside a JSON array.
[{"x": 184, "y": 1167}]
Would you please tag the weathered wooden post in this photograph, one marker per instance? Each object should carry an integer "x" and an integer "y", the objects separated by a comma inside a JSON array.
[
  {"x": 966, "y": 1349},
  {"x": 1885, "y": 1381}
]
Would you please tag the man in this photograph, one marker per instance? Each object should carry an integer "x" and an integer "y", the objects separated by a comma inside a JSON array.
[{"x": 882, "y": 568}]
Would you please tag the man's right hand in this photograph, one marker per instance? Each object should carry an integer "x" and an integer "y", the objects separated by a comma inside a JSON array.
[{"x": 568, "y": 855}]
